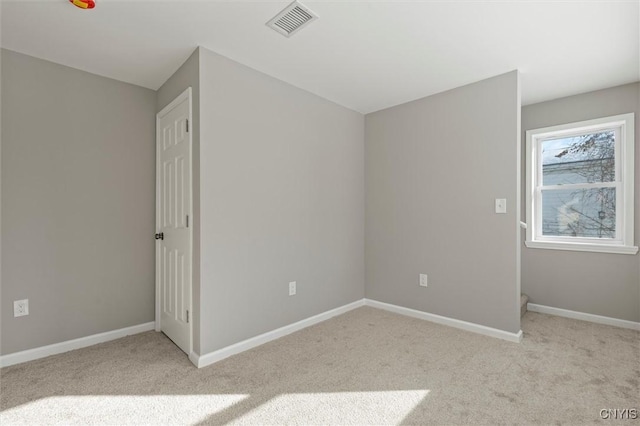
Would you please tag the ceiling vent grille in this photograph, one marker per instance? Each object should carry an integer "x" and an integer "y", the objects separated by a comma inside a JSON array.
[{"x": 292, "y": 19}]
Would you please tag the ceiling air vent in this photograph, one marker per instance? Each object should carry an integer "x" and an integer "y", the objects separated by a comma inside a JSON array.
[{"x": 292, "y": 19}]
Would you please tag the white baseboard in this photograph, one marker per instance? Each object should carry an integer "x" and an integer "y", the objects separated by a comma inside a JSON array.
[
  {"x": 194, "y": 358},
  {"x": 451, "y": 322},
  {"x": 213, "y": 357},
  {"x": 69, "y": 345},
  {"x": 583, "y": 316}
]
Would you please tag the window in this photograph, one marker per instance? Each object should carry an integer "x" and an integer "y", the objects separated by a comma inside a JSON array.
[{"x": 580, "y": 186}]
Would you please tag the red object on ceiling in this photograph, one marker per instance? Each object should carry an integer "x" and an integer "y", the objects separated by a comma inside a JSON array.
[{"x": 84, "y": 4}]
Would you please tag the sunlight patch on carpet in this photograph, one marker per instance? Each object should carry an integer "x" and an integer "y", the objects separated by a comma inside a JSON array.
[
  {"x": 379, "y": 407},
  {"x": 119, "y": 409}
]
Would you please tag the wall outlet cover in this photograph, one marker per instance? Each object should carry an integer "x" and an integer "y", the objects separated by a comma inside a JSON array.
[
  {"x": 423, "y": 280},
  {"x": 292, "y": 288},
  {"x": 20, "y": 307}
]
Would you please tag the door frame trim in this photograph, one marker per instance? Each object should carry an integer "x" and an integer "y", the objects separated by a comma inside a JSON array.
[{"x": 187, "y": 94}]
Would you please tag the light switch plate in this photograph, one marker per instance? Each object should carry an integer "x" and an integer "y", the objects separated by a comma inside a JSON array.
[{"x": 501, "y": 205}]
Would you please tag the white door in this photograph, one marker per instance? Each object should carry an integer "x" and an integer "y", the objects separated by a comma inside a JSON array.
[{"x": 174, "y": 221}]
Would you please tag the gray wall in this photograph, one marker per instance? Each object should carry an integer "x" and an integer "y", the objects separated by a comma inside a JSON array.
[
  {"x": 596, "y": 283},
  {"x": 78, "y": 196},
  {"x": 188, "y": 75},
  {"x": 282, "y": 199},
  {"x": 434, "y": 168},
  {"x": 279, "y": 195},
  {"x": 1, "y": 300}
]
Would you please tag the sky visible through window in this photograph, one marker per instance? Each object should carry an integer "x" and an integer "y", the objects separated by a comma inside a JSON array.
[{"x": 563, "y": 150}]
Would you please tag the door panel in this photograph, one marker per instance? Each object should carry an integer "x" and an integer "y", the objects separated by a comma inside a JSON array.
[{"x": 174, "y": 205}]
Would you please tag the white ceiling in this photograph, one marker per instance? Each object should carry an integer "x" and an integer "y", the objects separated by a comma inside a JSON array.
[{"x": 365, "y": 55}]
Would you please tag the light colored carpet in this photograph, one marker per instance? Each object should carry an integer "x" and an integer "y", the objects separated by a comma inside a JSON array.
[{"x": 364, "y": 367}]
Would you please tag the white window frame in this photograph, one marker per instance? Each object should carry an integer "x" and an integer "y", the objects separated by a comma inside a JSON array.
[{"x": 623, "y": 243}]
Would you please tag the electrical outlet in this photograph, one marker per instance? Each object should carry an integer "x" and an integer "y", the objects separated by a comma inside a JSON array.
[
  {"x": 423, "y": 280},
  {"x": 20, "y": 307},
  {"x": 292, "y": 288}
]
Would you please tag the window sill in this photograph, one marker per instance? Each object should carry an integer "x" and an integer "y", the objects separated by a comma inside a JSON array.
[{"x": 598, "y": 248}]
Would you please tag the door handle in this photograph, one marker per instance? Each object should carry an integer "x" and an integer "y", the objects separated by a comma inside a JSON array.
[{"x": 160, "y": 236}]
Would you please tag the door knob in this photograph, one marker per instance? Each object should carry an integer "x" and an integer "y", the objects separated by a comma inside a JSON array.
[{"x": 160, "y": 236}]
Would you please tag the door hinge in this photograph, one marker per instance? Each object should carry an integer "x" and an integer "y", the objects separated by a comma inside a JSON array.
[
  {"x": 187, "y": 125},
  {"x": 160, "y": 236},
  {"x": 187, "y": 221},
  {"x": 187, "y": 315}
]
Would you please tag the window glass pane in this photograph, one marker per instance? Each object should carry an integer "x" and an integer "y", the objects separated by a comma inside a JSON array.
[
  {"x": 579, "y": 213},
  {"x": 579, "y": 159}
]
